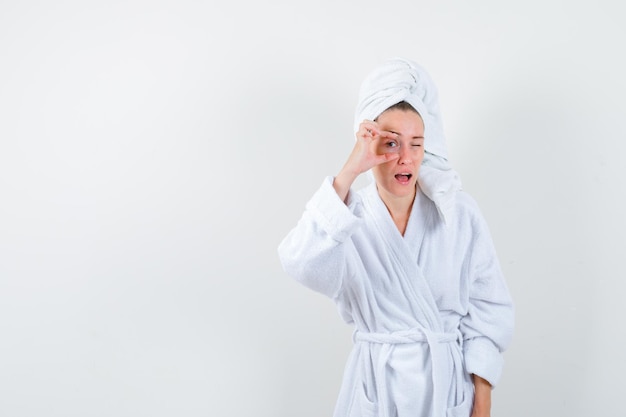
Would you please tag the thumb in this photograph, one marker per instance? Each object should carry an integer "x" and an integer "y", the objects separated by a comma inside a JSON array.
[
  {"x": 381, "y": 159},
  {"x": 391, "y": 156}
]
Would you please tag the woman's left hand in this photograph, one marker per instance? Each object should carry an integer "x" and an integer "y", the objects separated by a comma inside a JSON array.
[{"x": 482, "y": 397}]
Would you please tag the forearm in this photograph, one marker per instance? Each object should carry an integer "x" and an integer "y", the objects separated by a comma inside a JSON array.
[
  {"x": 482, "y": 397},
  {"x": 343, "y": 181}
]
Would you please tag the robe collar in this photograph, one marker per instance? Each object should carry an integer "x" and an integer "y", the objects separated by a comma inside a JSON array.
[{"x": 405, "y": 249}]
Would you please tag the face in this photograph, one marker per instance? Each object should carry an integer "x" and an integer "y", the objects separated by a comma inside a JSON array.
[{"x": 397, "y": 178}]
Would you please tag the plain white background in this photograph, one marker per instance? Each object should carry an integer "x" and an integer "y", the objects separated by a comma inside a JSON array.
[{"x": 154, "y": 153}]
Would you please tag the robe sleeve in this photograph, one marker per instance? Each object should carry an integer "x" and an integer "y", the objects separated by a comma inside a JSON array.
[
  {"x": 488, "y": 326},
  {"x": 314, "y": 252}
]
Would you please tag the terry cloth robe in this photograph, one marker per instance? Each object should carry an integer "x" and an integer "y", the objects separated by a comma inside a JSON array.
[{"x": 429, "y": 308}]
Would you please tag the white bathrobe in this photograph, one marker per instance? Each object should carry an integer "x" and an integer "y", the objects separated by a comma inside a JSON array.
[{"x": 429, "y": 308}]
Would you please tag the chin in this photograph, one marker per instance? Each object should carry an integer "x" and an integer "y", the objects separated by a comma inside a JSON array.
[{"x": 403, "y": 191}]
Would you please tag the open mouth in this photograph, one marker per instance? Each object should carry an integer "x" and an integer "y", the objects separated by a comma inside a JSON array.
[{"x": 403, "y": 178}]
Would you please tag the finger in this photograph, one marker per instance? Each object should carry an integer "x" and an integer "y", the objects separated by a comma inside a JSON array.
[
  {"x": 370, "y": 127},
  {"x": 366, "y": 134},
  {"x": 387, "y": 134},
  {"x": 384, "y": 135},
  {"x": 388, "y": 157}
]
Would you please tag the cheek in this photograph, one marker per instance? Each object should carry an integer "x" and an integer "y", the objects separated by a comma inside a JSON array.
[{"x": 419, "y": 156}]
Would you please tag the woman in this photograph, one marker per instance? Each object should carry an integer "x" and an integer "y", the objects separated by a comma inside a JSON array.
[{"x": 408, "y": 260}]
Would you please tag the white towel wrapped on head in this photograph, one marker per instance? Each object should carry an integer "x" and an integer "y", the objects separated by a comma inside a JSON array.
[{"x": 403, "y": 80}]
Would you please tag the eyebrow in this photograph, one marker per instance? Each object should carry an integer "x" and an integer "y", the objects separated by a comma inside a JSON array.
[{"x": 414, "y": 137}]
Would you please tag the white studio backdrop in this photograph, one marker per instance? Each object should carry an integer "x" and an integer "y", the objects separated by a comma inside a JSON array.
[{"x": 154, "y": 154}]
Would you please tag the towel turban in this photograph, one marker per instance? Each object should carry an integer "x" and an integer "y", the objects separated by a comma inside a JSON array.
[{"x": 399, "y": 80}]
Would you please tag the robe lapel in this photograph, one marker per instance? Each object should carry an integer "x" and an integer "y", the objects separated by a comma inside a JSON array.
[{"x": 404, "y": 251}]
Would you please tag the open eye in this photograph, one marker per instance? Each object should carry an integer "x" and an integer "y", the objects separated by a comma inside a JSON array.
[{"x": 388, "y": 146}]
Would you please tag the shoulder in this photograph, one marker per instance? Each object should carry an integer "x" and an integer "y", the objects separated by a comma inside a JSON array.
[{"x": 468, "y": 210}]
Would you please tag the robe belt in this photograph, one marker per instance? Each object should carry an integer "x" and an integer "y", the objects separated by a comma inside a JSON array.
[{"x": 435, "y": 342}]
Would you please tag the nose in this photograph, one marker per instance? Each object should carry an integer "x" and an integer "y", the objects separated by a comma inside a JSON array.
[{"x": 405, "y": 155}]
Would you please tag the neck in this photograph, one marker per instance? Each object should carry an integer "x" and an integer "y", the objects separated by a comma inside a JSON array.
[{"x": 399, "y": 208}]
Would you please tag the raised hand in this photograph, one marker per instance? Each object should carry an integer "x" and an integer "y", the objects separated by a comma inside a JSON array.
[{"x": 364, "y": 156}]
